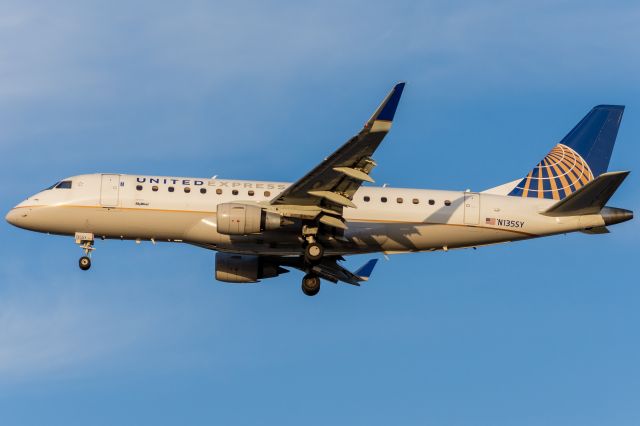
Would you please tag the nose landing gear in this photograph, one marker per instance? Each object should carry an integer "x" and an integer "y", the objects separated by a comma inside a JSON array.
[
  {"x": 84, "y": 263},
  {"x": 85, "y": 241}
]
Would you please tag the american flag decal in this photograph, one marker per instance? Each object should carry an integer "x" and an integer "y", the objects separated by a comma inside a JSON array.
[{"x": 490, "y": 221}]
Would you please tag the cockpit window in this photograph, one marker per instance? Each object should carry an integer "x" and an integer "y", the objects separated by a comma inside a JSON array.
[
  {"x": 52, "y": 186},
  {"x": 65, "y": 184}
]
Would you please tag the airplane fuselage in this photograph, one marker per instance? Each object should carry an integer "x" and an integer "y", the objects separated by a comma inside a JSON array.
[{"x": 390, "y": 220}]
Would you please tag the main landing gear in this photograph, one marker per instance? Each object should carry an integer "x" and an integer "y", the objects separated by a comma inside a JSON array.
[
  {"x": 313, "y": 250},
  {"x": 311, "y": 284},
  {"x": 313, "y": 253},
  {"x": 85, "y": 241}
]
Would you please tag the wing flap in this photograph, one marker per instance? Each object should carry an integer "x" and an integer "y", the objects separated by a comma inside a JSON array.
[
  {"x": 334, "y": 197},
  {"x": 333, "y": 221},
  {"x": 354, "y": 173}
]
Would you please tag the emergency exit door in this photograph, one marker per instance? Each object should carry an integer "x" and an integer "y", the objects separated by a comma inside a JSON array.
[
  {"x": 471, "y": 208},
  {"x": 109, "y": 191}
]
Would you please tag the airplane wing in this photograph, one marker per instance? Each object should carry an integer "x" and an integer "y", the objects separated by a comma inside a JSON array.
[
  {"x": 330, "y": 269},
  {"x": 331, "y": 184}
]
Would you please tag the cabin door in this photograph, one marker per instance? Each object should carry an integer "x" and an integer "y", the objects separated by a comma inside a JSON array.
[
  {"x": 471, "y": 208},
  {"x": 109, "y": 191}
]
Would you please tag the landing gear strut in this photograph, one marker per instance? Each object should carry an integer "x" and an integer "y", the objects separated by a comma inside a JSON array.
[
  {"x": 313, "y": 250},
  {"x": 85, "y": 241},
  {"x": 310, "y": 285}
]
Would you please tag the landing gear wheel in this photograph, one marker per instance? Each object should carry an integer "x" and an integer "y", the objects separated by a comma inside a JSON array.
[
  {"x": 84, "y": 263},
  {"x": 310, "y": 285},
  {"x": 313, "y": 252}
]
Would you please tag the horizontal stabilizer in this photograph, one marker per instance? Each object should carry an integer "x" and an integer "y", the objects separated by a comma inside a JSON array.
[
  {"x": 589, "y": 199},
  {"x": 596, "y": 230}
]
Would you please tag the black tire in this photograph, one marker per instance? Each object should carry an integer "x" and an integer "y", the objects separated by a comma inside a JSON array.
[
  {"x": 313, "y": 253},
  {"x": 310, "y": 285},
  {"x": 84, "y": 263}
]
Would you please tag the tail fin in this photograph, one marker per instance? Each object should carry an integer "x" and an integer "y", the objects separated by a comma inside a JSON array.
[{"x": 582, "y": 155}]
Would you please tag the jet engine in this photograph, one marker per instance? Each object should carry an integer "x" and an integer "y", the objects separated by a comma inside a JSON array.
[
  {"x": 240, "y": 268},
  {"x": 243, "y": 219}
]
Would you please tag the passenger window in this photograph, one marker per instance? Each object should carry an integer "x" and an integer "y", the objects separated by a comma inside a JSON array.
[
  {"x": 154, "y": 188},
  {"x": 219, "y": 191},
  {"x": 383, "y": 199},
  {"x": 399, "y": 200},
  {"x": 432, "y": 202},
  {"x": 171, "y": 189},
  {"x": 187, "y": 189},
  {"x": 267, "y": 193},
  {"x": 65, "y": 184},
  {"x": 416, "y": 201},
  {"x": 203, "y": 190},
  {"x": 447, "y": 203},
  {"x": 366, "y": 198},
  {"x": 234, "y": 192},
  {"x": 139, "y": 187},
  {"x": 251, "y": 193}
]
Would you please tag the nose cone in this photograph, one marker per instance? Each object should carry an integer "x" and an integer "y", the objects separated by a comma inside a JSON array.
[
  {"x": 11, "y": 217},
  {"x": 17, "y": 217}
]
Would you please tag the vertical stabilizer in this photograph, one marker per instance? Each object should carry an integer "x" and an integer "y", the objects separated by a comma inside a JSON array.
[{"x": 582, "y": 155}]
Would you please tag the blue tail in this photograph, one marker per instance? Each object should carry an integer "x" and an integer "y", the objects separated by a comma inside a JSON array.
[{"x": 580, "y": 157}]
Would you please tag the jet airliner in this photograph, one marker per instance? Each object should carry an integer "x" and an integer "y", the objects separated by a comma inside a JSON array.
[{"x": 261, "y": 229}]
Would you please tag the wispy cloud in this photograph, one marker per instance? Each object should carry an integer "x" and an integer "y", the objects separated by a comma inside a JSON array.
[
  {"x": 80, "y": 50},
  {"x": 83, "y": 76},
  {"x": 51, "y": 329}
]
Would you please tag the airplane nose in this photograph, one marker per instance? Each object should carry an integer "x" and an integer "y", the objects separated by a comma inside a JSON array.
[
  {"x": 11, "y": 217},
  {"x": 15, "y": 216}
]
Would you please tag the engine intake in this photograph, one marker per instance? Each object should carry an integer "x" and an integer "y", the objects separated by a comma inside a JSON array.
[
  {"x": 243, "y": 219},
  {"x": 241, "y": 268}
]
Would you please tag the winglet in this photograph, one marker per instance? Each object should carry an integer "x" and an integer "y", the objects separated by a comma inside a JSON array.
[
  {"x": 365, "y": 271},
  {"x": 381, "y": 120}
]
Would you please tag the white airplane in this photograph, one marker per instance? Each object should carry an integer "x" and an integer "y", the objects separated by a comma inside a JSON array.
[{"x": 260, "y": 228}]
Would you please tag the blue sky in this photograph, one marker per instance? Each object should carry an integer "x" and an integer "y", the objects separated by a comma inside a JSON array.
[{"x": 540, "y": 332}]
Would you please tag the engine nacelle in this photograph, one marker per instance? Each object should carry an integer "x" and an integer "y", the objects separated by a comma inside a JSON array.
[
  {"x": 243, "y": 219},
  {"x": 242, "y": 268}
]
